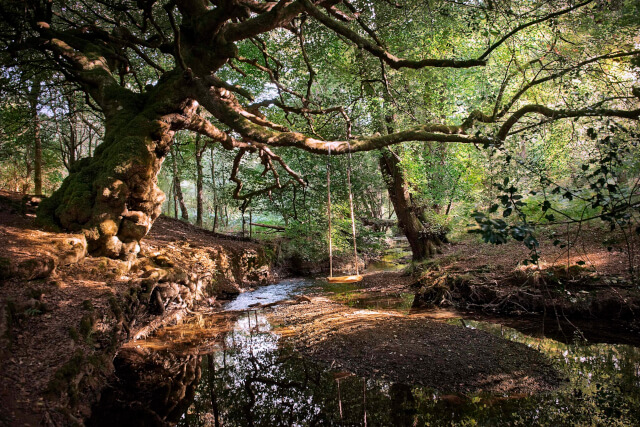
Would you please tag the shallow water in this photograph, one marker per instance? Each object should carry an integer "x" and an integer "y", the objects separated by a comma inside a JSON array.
[
  {"x": 249, "y": 374},
  {"x": 270, "y": 294}
]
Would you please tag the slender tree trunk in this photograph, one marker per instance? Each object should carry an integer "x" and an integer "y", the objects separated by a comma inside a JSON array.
[
  {"x": 72, "y": 137},
  {"x": 199, "y": 152},
  {"x": 34, "y": 95},
  {"x": 170, "y": 197},
  {"x": 177, "y": 190},
  {"x": 175, "y": 200},
  {"x": 199, "y": 191},
  {"x": 215, "y": 191}
]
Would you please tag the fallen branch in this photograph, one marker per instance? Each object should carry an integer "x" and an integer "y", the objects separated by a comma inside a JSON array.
[{"x": 273, "y": 227}]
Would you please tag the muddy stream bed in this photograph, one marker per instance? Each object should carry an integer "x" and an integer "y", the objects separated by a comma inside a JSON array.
[{"x": 242, "y": 367}]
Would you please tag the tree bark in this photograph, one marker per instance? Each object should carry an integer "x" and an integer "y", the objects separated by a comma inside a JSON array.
[
  {"x": 421, "y": 236},
  {"x": 177, "y": 189},
  {"x": 113, "y": 197},
  {"x": 215, "y": 192},
  {"x": 422, "y": 246},
  {"x": 200, "y": 147},
  {"x": 34, "y": 96}
]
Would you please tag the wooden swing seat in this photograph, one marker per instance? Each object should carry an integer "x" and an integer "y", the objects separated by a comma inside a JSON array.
[{"x": 344, "y": 279}]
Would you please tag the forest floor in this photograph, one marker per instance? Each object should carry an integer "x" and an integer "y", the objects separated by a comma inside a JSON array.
[
  {"x": 413, "y": 349},
  {"x": 588, "y": 279},
  {"x": 61, "y": 312}
]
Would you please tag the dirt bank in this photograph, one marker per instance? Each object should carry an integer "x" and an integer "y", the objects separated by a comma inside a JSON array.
[
  {"x": 584, "y": 281},
  {"x": 63, "y": 315},
  {"x": 413, "y": 349}
]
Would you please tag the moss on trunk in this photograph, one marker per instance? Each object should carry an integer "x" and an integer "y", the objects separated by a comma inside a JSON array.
[{"x": 113, "y": 197}]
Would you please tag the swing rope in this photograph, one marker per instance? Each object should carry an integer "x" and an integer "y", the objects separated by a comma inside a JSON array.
[
  {"x": 329, "y": 211},
  {"x": 353, "y": 222}
]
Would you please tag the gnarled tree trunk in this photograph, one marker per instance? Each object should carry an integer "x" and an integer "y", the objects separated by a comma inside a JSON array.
[{"x": 113, "y": 197}]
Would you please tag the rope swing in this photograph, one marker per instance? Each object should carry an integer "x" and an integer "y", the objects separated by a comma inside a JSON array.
[{"x": 356, "y": 277}]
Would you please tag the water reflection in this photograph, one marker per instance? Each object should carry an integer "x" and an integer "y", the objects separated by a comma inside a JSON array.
[
  {"x": 256, "y": 379},
  {"x": 237, "y": 369},
  {"x": 270, "y": 294}
]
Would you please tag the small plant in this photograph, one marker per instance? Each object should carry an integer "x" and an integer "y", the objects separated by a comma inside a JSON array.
[
  {"x": 86, "y": 326},
  {"x": 74, "y": 334},
  {"x": 32, "y": 311}
]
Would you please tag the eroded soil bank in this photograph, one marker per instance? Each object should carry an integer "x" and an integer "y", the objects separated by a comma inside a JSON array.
[
  {"x": 64, "y": 315},
  {"x": 589, "y": 280}
]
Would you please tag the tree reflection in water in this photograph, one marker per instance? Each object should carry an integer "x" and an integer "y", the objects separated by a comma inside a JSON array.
[
  {"x": 257, "y": 380},
  {"x": 250, "y": 376}
]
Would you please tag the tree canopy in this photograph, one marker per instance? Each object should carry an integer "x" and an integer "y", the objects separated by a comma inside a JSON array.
[{"x": 253, "y": 76}]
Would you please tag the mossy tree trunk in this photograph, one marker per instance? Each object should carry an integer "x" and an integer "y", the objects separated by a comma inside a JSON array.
[{"x": 113, "y": 197}]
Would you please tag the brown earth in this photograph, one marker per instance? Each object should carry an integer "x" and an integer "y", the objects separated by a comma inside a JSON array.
[
  {"x": 584, "y": 281},
  {"x": 413, "y": 349},
  {"x": 63, "y": 315}
]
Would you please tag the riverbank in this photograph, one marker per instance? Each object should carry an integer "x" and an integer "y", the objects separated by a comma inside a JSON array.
[
  {"x": 63, "y": 315},
  {"x": 413, "y": 349},
  {"x": 589, "y": 280}
]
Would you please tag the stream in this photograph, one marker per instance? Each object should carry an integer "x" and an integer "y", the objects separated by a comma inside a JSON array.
[{"x": 236, "y": 368}]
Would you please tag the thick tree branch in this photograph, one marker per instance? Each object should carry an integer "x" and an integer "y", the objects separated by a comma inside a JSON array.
[
  {"x": 378, "y": 51},
  {"x": 231, "y": 115},
  {"x": 563, "y": 114}
]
